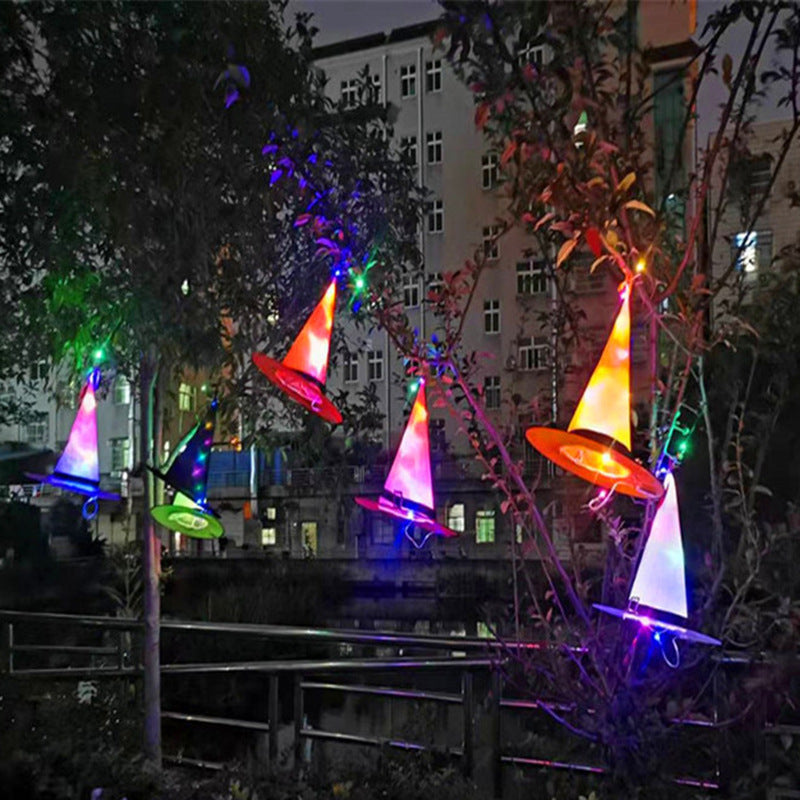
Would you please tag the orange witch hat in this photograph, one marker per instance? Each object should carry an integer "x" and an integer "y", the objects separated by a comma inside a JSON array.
[
  {"x": 301, "y": 375},
  {"x": 596, "y": 445},
  {"x": 408, "y": 490}
]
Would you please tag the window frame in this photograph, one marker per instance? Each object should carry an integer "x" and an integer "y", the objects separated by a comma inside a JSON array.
[
  {"x": 436, "y": 218},
  {"x": 433, "y": 76},
  {"x": 350, "y": 368},
  {"x": 434, "y": 147},
  {"x": 408, "y": 81},
  {"x": 491, "y": 316},
  {"x": 483, "y": 515},
  {"x": 348, "y": 93},
  {"x": 490, "y": 171},
  {"x": 492, "y": 390},
  {"x": 375, "y": 365},
  {"x": 491, "y": 244},
  {"x": 456, "y": 522},
  {"x": 533, "y": 272}
]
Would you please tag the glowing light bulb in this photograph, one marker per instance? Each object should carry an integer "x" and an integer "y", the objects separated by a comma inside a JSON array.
[
  {"x": 606, "y": 458},
  {"x": 641, "y": 266},
  {"x": 360, "y": 283}
]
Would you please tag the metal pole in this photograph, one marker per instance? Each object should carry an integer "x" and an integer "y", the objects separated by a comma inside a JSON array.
[
  {"x": 496, "y": 740},
  {"x": 272, "y": 719},
  {"x": 468, "y": 705},
  {"x": 298, "y": 722},
  {"x": 10, "y": 641}
]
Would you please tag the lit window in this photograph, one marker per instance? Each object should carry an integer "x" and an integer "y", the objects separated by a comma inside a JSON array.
[
  {"x": 408, "y": 147},
  {"x": 269, "y": 532},
  {"x": 308, "y": 537},
  {"x": 491, "y": 316},
  {"x": 411, "y": 293},
  {"x": 436, "y": 217},
  {"x": 484, "y": 526},
  {"x": 752, "y": 251},
  {"x": 433, "y": 145},
  {"x": 350, "y": 93},
  {"x": 489, "y": 166},
  {"x": 122, "y": 391},
  {"x": 491, "y": 391},
  {"x": 120, "y": 451},
  {"x": 36, "y": 432},
  {"x": 491, "y": 248},
  {"x": 350, "y": 368},
  {"x": 408, "y": 81},
  {"x": 533, "y": 354},
  {"x": 433, "y": 75},
  {"x": 377, "y": 88},
  {"x": 531, "y": 277},
  {"x": 455, "y": 517},
  {"x": 186, "y": 397},
  {"x": 483, "y": 630},
  {"x": 375, "y": 365}
]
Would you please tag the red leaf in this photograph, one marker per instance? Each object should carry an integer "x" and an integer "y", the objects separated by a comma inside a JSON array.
[
  {"x": 482, "y": 115},
  {"x": 594, "y": 241},
  {"x": 508, "y": 153}
]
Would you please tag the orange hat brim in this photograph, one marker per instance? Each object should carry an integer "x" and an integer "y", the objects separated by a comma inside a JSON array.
[
  {"x": 595, "y": 462},
  {"x": 298, "y": 388}
]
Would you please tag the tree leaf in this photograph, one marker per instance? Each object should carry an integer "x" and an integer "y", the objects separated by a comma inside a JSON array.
[
  {"x": 508, "y": 153},
  {"x": 564, "y": 252},
  {"x": 626, "y": 182},
  {"x": 638, "y": 205}
]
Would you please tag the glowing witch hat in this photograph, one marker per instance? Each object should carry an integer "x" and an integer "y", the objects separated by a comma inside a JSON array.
[
  {"x": 657, "y": 598},
  {"x": 596, "y": 445},
  {"x": 408, "y": 490},
  {"x": 187, "y": 472},
  {"x": 78, "y": 469},
  {"x": 301, "y": 375}
]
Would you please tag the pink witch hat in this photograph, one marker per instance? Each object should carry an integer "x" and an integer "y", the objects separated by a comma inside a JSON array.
[
  {"x": 657, "y": 598},
  {"x": 78, "y": 469},
  {"x": 408, "y": 490},
  {"x": 301, "y": 375}
]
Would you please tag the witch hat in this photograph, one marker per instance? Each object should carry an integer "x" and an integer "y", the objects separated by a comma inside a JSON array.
[
  {"x": 187, "y": 472},
  {"x": 596, "y": 445},
  {"x": 301, "y": 375},
  {"x": 657, "y": 598},
  {"x": 78, "y": 470},
  {"x": 408, "y": 490}
]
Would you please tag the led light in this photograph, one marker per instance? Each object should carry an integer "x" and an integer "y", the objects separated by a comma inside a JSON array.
[{"x": 641, "y": 266}]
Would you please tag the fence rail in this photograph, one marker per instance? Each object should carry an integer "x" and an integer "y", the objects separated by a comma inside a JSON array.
[{"x": 476, "y": 657}]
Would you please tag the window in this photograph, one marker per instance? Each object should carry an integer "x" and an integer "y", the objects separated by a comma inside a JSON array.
[
  {"x": 382, "y": 530},
  {"x": 36, "y": 432},
  {"x": 437, "y": 435},
  {"x": 533, "y": 354},
  {"x": 350, "y": 368},
  {"x": 433, "y": 145},
  {"x": 669, "y": 111},
  {"x": 455, "y": 517},
  {"x": 350, "y": 93},
  {"x": 532, "y": 54},
  {"x": 433, "y": 75},
  {"x": 39, "y": 371},
  {"x": 491, "y": 391},
  {"x": 436, "y": 217},
  {"x": 752, "y": 251},
  {"x": 122, "y": 391},
  {"x": 531, "y": 277},
  {"x": 375, "y": 365},
  {"x": 186, "y": 397},
  {"x": 585, "y": 282},
  {"x": 269, "y": 530},
  {"x": 484, "y": 526},
  {"x": 408, "y": 147},
  {"x": 377, "y": 88},
  {"x": 491, "y": 316},
  {"x": 491, "y": 248},
  {"x": 489, "y": 166},
  {"x": 408, "y": 81},
  {"x": 308, "y": 537},
  {"x": 435, "y": 282},
  {"x": 411, "y": 293},
  {"x": 120, "y": 451}
]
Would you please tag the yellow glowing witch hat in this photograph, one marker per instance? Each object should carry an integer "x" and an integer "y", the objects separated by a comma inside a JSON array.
[
  {"x": 301, "y": 375},
  {"x": 596, "y": 445}
]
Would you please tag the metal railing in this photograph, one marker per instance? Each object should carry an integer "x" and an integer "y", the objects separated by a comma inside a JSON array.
[{"x": 476, "y": 656}]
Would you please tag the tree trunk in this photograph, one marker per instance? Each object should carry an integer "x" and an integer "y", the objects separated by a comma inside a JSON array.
[{"x": 151, "y": 556}]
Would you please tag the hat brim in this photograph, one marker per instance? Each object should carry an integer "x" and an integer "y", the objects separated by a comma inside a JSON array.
[
  {"x": 423, "y": 521},
  {"x": 74, "y": 485},
  {"x": 189, "y": 521},
  {"x": 298, "y": 388},
  {"x": 649, "y": 621},
  {"x": 596, "y": 462}
]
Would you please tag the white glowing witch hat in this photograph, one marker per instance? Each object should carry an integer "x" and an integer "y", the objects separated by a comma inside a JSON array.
[
  {"x": 657, "y": 598},
  {"x": 408, "y": 490},
  {"x": 596, "y": 445},
  {"x": 301, "y": 375}
]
